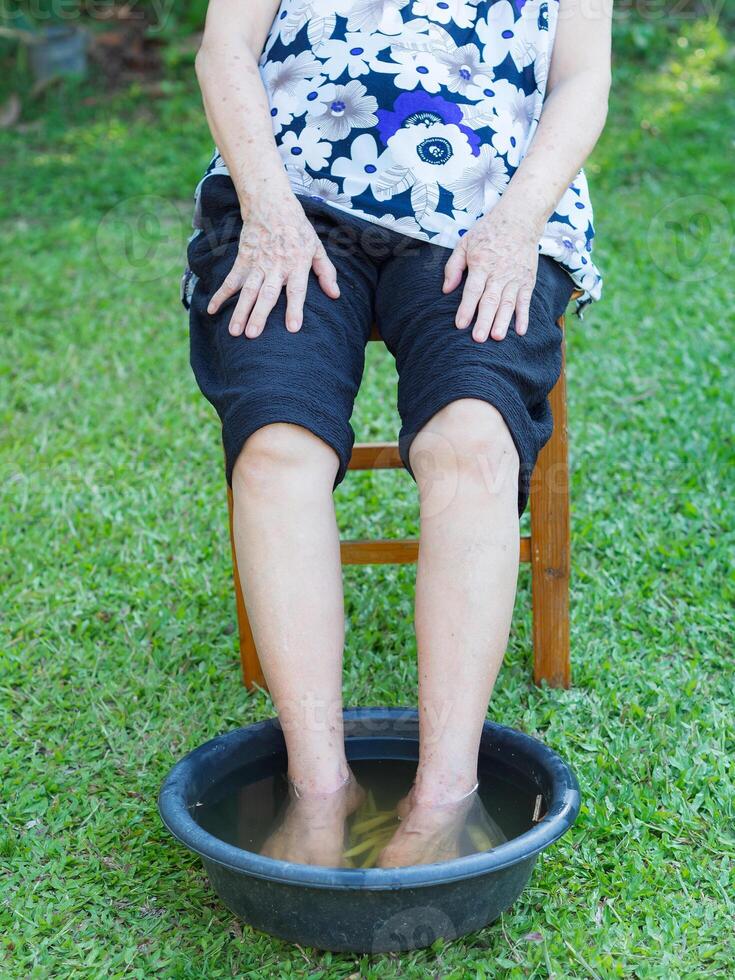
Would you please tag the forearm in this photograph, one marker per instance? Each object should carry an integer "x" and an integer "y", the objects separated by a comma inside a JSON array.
[
  {"x": 571, "y": 121},
  {"x": 238, "y": 113}
]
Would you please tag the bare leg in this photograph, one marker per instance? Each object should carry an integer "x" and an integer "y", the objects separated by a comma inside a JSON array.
[
  {"x": 288, "y": 554},
  {"x": 466, "y": 467}
]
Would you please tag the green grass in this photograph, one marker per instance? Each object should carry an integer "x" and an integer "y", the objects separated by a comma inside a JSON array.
[{"x": 118, "y": 652}]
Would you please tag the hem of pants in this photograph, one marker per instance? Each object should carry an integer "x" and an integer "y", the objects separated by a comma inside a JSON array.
[{"x": 243, "y": 419}]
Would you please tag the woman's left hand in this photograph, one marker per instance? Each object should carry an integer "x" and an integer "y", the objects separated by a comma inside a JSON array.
[{"x": 500, "y": 253}]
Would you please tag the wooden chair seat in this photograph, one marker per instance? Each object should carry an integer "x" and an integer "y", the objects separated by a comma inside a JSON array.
[{"x": 547, "y": 547}]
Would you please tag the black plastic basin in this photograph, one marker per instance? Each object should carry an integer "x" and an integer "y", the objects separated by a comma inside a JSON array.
[{"x": 375, "y": 909}]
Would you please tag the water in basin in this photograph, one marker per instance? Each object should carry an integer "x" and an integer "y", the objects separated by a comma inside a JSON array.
[{"x": 247, "y": 807}]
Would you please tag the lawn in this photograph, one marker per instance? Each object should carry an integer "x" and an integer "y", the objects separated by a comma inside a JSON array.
[{"x": 118, "y": 652}]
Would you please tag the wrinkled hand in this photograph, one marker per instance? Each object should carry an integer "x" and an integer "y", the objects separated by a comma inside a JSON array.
[
  {"x": 278, "y": 247},
  {"x": 500, "y": 253}
]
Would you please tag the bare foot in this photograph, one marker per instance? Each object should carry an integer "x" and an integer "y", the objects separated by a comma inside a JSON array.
[
  {"x": 312, "y": 826},
  {"x": 428, "y": 834}
]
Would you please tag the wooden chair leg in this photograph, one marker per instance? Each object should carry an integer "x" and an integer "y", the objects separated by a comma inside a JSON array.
[
  {"x": 550, "y": 546},
  {"x": 252, "y": 674}
]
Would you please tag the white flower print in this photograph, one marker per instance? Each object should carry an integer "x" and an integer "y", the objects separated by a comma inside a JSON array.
[
  {"x": 568, "y": 246},
  {"x": 512, "y": 126},
  {"x": 286, "y": 76},
  {"x": 327, "y": 190},
  {"x": 298, "y": 178},
  {"x": 460, "y": 12},
  {"x": 281, "y": 114},
  {"x": 286, "y": 82},
  {"x": 502, "y": 35},
  {"x": 320, "y": 29},
  {"x": 508, "y": 138},
  {"x": 305, "y": 150},
  {"x": 449, "y": 228},
  {"x": 413, "y": 69},
  {"x": 353, "y": 55},
  {"x": 479, "y": 187},
  {"x": 575, "y": 200},
  {"x": 566, "y": 243},
  {"x": 372, "y": 15},
  {"x": 466, "y": 72},
  {"x": 296, "y": 17},
  {"x": 363, "y": 167},
  {"x": 498, "y": 92},
  {"x": 422, "y": 35},
  {"x": 307, "y": 95},
  {"x": 409, "y": 226},
  {"x": 286, "y": 26},
  {"x": 520, "y": 108},
  {"x": 437, "y": 153},
  {"x": 342, "y": 108}
]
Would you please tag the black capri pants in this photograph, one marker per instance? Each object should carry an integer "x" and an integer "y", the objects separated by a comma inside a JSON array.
[{"x": 311, "y": 377}]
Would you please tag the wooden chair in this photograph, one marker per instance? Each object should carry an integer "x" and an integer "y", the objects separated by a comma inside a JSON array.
[{"x": 547, "y": 548}]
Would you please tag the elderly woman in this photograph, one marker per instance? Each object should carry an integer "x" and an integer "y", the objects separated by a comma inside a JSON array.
[{"x": 416, "y": 163}]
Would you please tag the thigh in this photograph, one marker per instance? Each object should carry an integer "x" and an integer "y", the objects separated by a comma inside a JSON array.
[
  {"x": 309, "y": 377},
  {"x": 438, "y": 364}
]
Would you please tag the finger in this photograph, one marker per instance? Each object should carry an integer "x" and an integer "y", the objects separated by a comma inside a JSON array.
[
  {"x": 295, "y": 296},
  {"x": 454, "y": 268},
  {"x": 267, "y": 299},
  {"x": 325, "y": 272},
  {"x": 473, "y": 289},
  {"x": 486, "y": 312},
  {"x": 523, "y": 307},
  {"x": 504, "y": 312},
  {"x": 233, "y": 282},
  {"x": 248, "y": 296}
]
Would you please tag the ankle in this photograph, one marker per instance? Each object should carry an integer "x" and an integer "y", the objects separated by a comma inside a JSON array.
[
  {"x": 442, "y": 787},
  {"x": 308, "y": 794},
  {"x": 324, "y": 781}
]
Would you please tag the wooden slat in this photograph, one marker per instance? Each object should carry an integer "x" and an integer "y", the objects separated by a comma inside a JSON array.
[
  {"x": 550, "y": 546},
  {"x": 375, "y": 456},
  {"x": 397, "y": 551},
  {"x": 393, "y": 552}
]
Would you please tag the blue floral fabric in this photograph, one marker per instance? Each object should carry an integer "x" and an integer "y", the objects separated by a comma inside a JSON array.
[{"x": 416, "y": 113}]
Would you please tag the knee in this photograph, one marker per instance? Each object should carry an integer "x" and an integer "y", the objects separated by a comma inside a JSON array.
[
  {"x": 470, "y": 439},
  {"x": 282, "y": 452}
]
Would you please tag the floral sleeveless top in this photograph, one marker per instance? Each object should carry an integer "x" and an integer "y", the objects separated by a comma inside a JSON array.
[{"x": 416, "y": 113}]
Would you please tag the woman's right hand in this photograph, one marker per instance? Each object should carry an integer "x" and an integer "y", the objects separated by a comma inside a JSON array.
[{"x": 278, "y": 247}]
